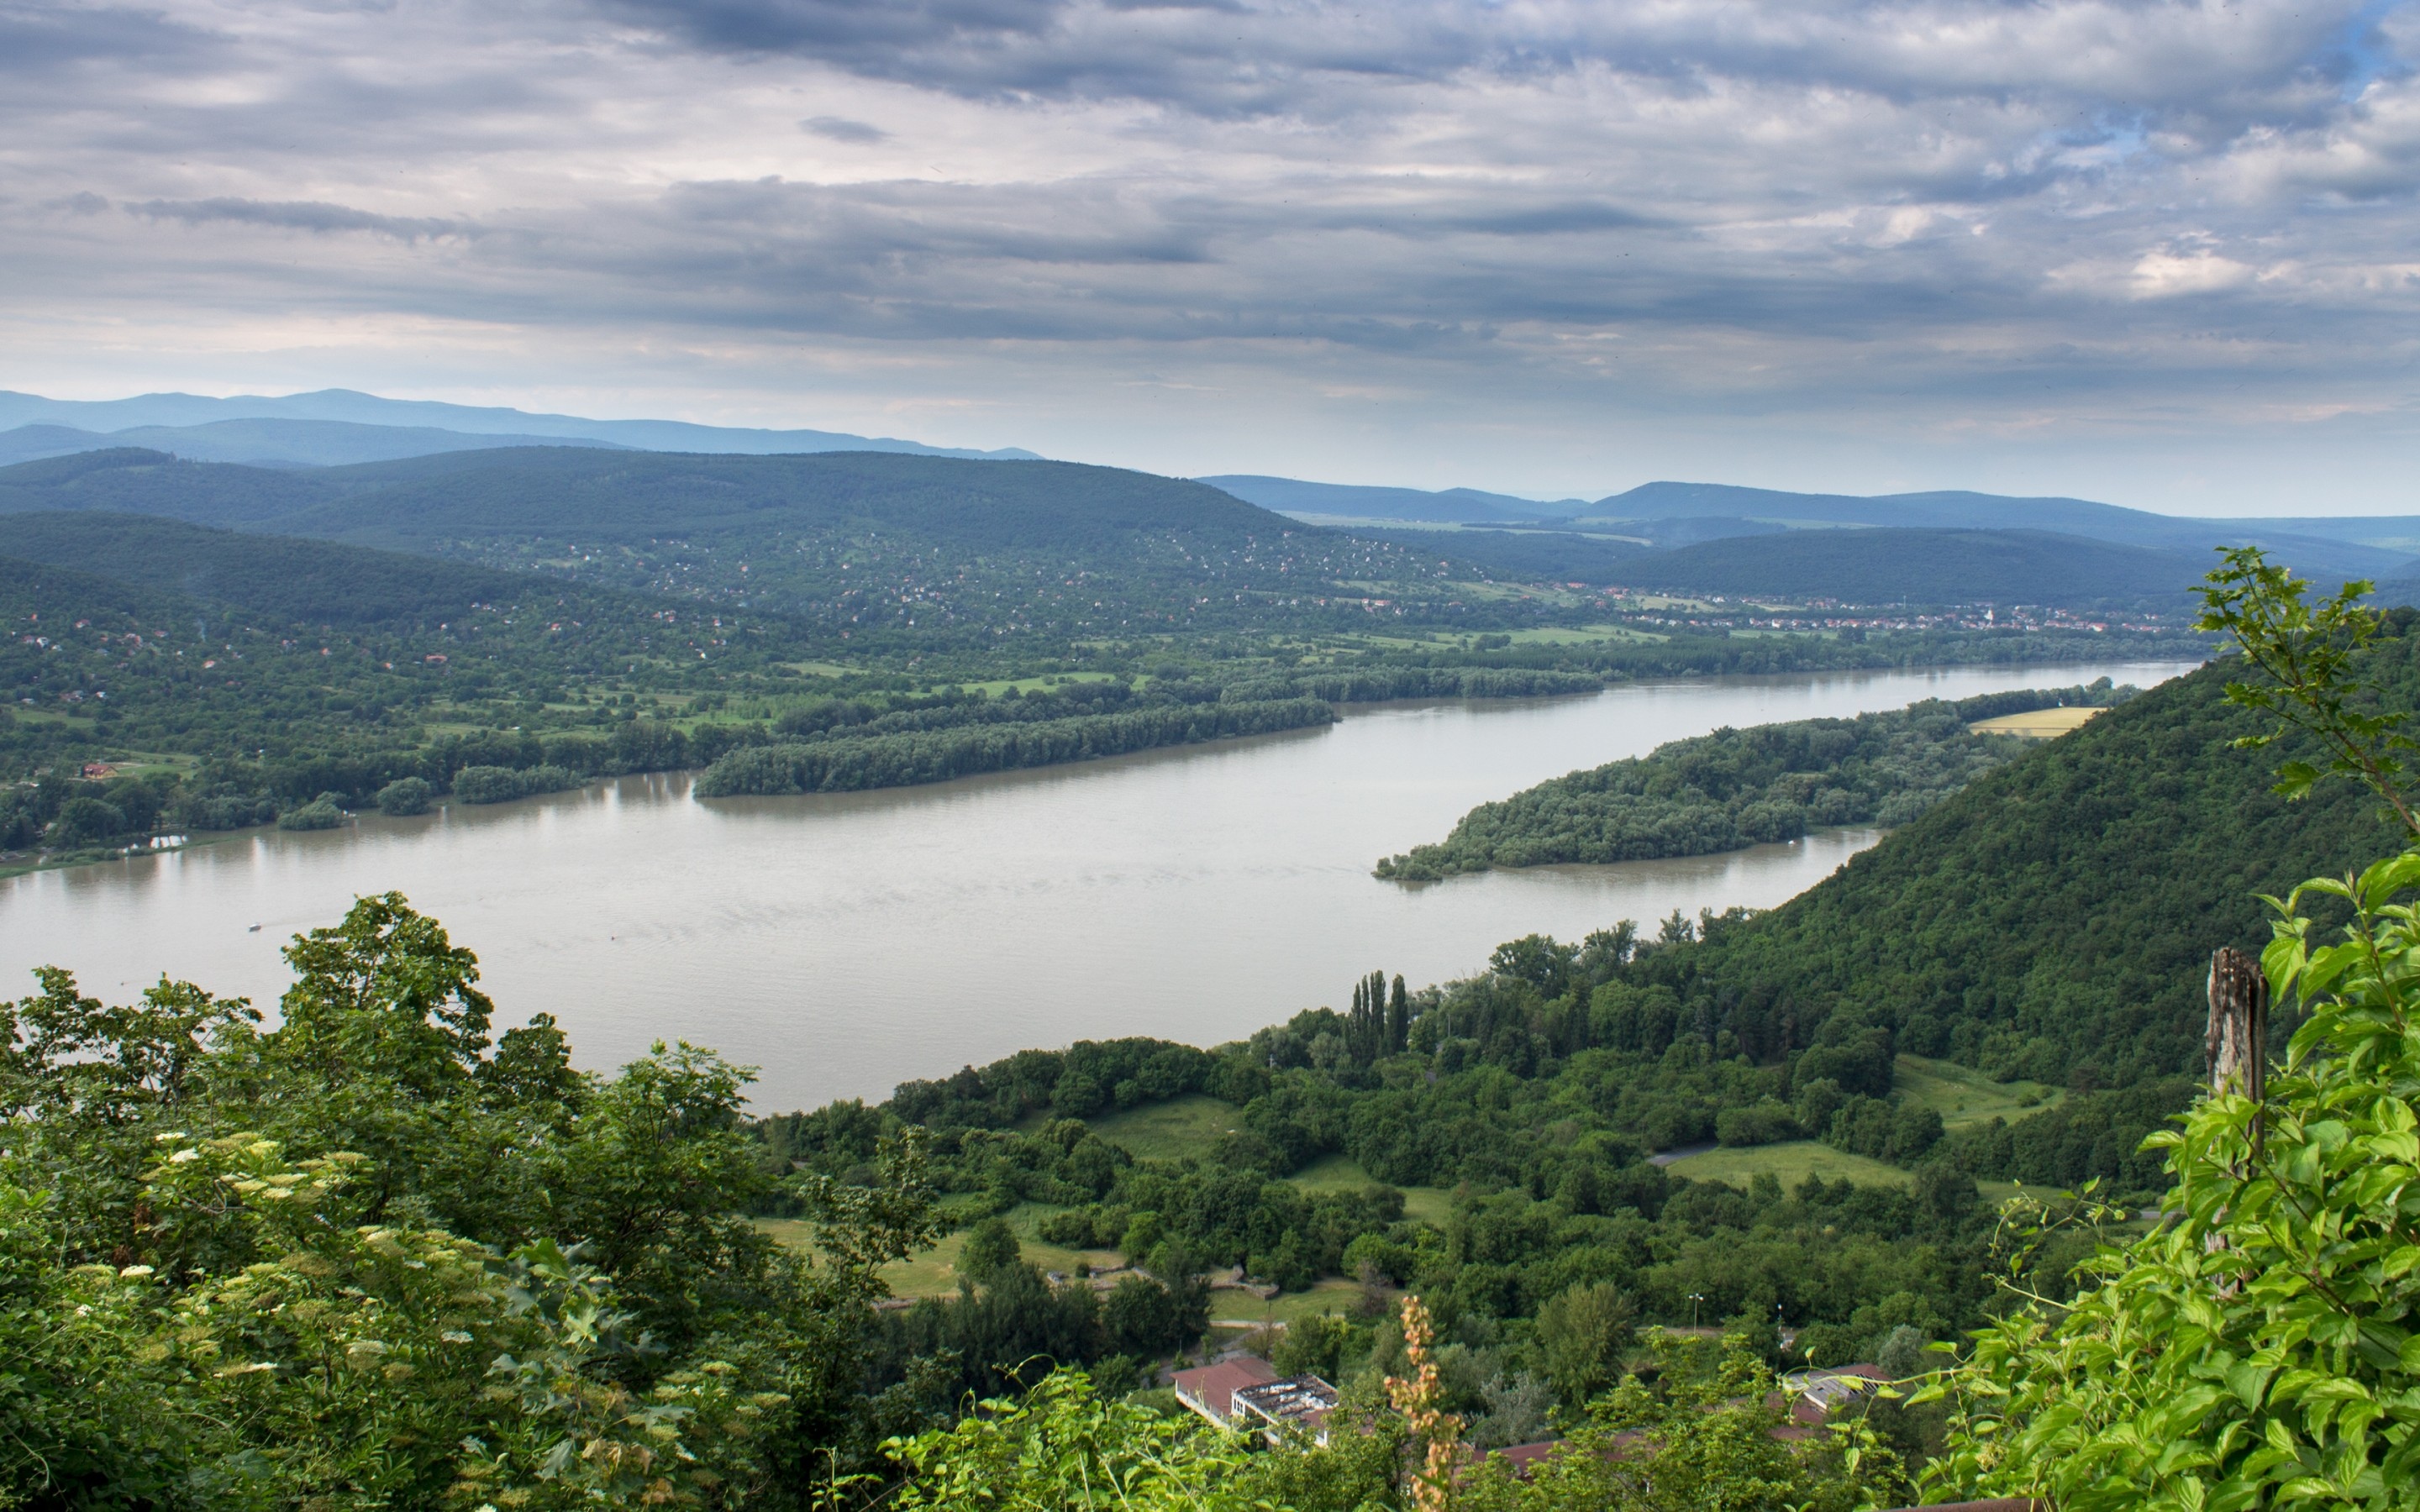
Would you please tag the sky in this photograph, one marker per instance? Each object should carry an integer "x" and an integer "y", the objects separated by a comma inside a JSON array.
[{"x": 2166, "y": 254}]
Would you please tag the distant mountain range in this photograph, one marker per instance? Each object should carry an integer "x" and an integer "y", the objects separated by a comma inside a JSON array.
[
  {"x": 1621, "y": 537},
  {"x": 1665, "y": 514},
  {"x": 1326, "y": 501},
  {"x": 336, "y": 427},
  {"x": 1888, "y": 564}
]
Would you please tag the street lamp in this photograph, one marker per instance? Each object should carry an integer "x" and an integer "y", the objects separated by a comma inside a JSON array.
[{"x": 1694, "y": 1298}]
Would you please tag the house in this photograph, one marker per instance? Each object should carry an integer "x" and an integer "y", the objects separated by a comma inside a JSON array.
[
  {"x": 1211, "y": 1389},
  {"x": 1247, "y": 1395},
  {"x": 1282, "y": 1406}
]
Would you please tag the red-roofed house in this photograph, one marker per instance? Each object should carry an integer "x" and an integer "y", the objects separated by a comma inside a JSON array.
[{"x": 1211, "y": 1390}]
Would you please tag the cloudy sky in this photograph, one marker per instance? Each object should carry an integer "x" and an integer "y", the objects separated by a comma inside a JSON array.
[{"x": 2163, "y": 254}]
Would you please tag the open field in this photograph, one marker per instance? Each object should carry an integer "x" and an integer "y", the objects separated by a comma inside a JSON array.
[
  {"x": 1333, "y": 1295},
  {"x": 1963, "y": 1096},
  {"x": 1583, "y": 634},
  {"x": 933, "y": 1272},
  {"x": 1790, "y": 1164},
  {"x": 1167, "y": 1131},
  {"x": 1429, "y": 1204},
  {"x": 2042, "y": 724}
]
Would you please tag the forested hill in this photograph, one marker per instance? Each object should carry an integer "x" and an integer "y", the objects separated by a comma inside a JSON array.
[
  {"x": 1890, "y": 566},
  {"x": 301, "y": 580},
  {"x": 2055, "y": 920},
  {"x": 866, "y": 542}
]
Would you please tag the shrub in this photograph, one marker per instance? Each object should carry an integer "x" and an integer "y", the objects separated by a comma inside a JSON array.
[
  {"x": 326, "y": 812},
  {"x": 502, "y": 784},
  {"x": 406, "y": 795}
]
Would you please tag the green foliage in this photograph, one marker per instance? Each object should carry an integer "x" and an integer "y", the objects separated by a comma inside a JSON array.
[
  {"x": 1701, "y": 1437},
  {"x": 990, "y": 1249},
  {"x": 896, "y": 761},
  {"x": 2055, "y": 920},
  {"x": 2310, "y": 656},
  {"x": 2256, "y": 1348},
  {"x": 405, "y": 797},
  {"x": 1736, "y": 788},
  {"x": 378, "y": 1257},
  {"x": 502, "y": 784},
  {"x": 1060, "y": 1447},
  {"x": 1585, "y": 1333}
]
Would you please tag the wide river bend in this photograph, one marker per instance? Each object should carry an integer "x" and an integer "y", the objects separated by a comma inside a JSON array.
[{"x": 849, "y": 942}]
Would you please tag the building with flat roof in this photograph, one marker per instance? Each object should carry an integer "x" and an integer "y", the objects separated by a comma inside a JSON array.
[
  {"x": 1211, "y": 1389},
  {"x": 1302, "y": 1402}
]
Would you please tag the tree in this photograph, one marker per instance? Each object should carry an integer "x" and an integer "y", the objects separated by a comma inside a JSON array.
[
  {"x": 1585, "y": 1333},
  {"x": 990, "y": 1249}
]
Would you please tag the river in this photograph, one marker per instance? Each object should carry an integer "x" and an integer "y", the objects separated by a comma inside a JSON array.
[{"x": 845, "y": 943}]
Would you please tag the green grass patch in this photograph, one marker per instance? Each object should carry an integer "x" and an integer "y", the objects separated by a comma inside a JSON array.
[
  {"x": 1333, "y": 1295},
  {"x": 1335, "y": 1173},
  {"x": 933, "y": 1272},
  {"x": 1583, "y": 634},
  {"x": 1963, "y": 1096},
  {"x": 1790, "y": 1164},
  {"x": 1167, "y": 1131},
  {"x": 999, "y": 686}
]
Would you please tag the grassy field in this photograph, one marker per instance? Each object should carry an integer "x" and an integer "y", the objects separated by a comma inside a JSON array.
[
  {"x": 1333, "y": 1295},
  {"x": 1790, "y": 1164},
  {"x": 1584, "y": 635},
  {"x": 1428, "y": 1204},
  {"x": 933, "y": 1272},
  {"x": 1189, "y": 1125},
  {"x": 2042, "y": 724},
  {"x": 1963, "y": 1096},
  {"x": 1167, "y": 1131}
]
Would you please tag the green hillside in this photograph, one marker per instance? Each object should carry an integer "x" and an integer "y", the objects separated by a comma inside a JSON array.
[
  {"x": 871, "y": 544},
  {"x": 130, "y": 480},
  {"x": 1922, "y": 567},
  {"x": 311, "y": 581},
  {"x": 2056, "y": 920}
]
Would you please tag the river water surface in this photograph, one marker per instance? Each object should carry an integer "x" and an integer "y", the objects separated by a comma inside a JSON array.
[{"x": 849, "y": 942}]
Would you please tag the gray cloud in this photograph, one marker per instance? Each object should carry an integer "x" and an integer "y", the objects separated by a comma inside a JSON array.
[
  {"x": 1911, "y": 219},
  {"x": 301, "y": 215},
  {"x": 840, "y": 128},
  {"x": 38, "y": 38}
]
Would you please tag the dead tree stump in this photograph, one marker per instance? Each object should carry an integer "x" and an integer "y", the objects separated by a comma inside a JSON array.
[{"x": 2237, "y": 1050}]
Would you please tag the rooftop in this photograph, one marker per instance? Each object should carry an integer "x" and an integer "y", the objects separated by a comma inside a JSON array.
[{"x": 1210, "y": 1390}]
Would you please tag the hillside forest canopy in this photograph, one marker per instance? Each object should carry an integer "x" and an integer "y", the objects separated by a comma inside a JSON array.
[
  {"x": 1736, "y": 788},
  {"x": 381, "y": 1253},
  {"x": 225, "y": 646}
]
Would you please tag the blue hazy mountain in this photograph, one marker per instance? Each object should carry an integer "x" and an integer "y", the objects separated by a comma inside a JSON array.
[
  {"x": 2346, "y": 546},
  {"x": 1669, "y": 514},
  {"x": 1339, "y": 501},
  {"x": 271, "y": 442},
  {"x": 337, "y": 426}
]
